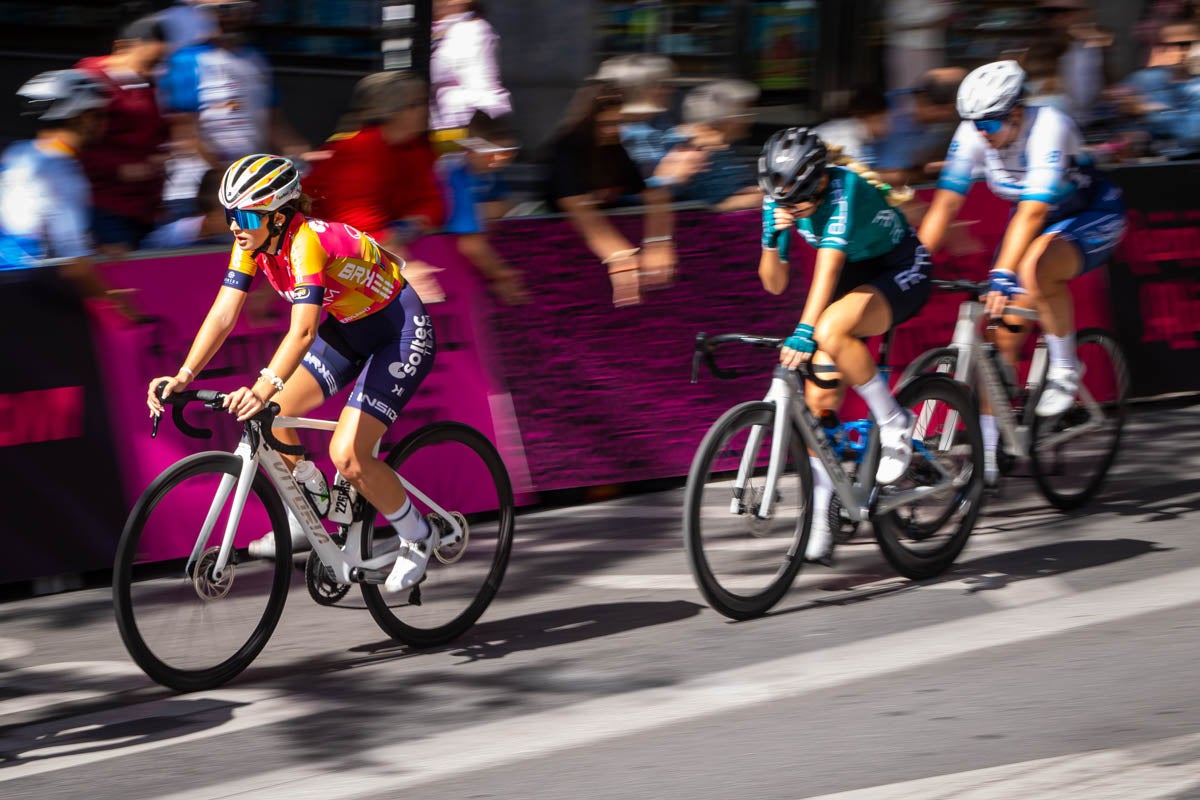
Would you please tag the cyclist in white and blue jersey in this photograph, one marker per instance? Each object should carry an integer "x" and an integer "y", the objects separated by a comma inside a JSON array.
[
  {"x": 45, "y": 198},
  {"x": 1067, "y": 219}
]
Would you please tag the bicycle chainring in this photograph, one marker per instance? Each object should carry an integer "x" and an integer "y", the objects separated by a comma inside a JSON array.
[{"x": 323, "y": 587}]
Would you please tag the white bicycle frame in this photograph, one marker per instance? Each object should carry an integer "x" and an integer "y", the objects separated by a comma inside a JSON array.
[
  {"x": 859, "y": 499},
  {"x": 344, "y": 561},
  {"x": 1015, "y": 434}
]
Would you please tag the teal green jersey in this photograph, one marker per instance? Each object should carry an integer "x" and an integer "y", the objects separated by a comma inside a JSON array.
[{"x": 854, "y": 217}]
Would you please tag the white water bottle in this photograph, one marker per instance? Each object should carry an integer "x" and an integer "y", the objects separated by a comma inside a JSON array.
[
  {"x": 342, "y": 497},
  {"x": 313, "y": 483}
]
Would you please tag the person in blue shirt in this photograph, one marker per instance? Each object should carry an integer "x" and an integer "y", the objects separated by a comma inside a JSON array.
[
  {"x": 473, "y": 182},
  {"x": 45, "y": 198}
]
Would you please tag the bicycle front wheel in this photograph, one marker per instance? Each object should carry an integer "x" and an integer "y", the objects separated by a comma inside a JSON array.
[
  {"x": 185, "y": 625},
  {"x": 744, "y": 565},
  {"x": 923, "y": 538},
  {"x": 1071, "y": 454},
  {"x": 461, "y": 471}
]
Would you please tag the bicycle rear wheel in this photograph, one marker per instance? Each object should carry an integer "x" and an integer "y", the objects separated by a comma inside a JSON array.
[
  {"x": 460, "y": 470},
  {"x": 191, "y": 629},
  {"x": 1071, "y": 454},
  {"x": 744, "y": 565},
  {"x": 922, "y": 539}
]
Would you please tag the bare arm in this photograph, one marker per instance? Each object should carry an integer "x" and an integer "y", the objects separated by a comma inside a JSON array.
[
  {"x": 945, "y": 207},
  {"x": 213, "y": 331},
  {"x": 597, "y": 232},
  {"x": 773, "y": 272},
  {"x": 302, "y": 332},
  {"x": 825, "y": 277},
  {"x": 1023, "y": 228}
]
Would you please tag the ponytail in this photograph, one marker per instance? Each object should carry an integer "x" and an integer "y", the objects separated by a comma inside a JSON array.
[{"x": 894, "y": 196}]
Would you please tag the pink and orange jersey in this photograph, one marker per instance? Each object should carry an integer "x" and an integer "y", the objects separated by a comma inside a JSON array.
[{"x": 322, "y": 262}]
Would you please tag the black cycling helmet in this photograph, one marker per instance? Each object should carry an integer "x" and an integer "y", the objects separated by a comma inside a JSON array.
[
  {"x": 791, "y": 165},
  {"x": 61, "y": 95}
]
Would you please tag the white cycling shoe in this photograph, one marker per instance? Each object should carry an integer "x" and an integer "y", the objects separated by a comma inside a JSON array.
[
  {"x": 264, "y": 547},
  {"x": 1058, "y": 395},
  {"x": 411, "y": 561},
  {"x": 820, "y": 540},
  {"x": 895, "y": 447}
]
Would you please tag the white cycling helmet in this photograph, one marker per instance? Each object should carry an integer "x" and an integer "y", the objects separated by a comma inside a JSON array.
[
  {"x": 991, "y": 91},
  {"x": 61, "y": 95},
  {"x": 259, "y": 182}
]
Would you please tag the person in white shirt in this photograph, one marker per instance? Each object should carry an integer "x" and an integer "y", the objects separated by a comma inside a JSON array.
[{"x": 464, "y": 68}]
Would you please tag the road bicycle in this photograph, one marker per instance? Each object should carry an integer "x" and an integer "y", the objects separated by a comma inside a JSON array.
[
  {"x": 748, "y": 500},
  {"x": 1070, "y": 454},
  {"x": 194, "y": 608}
]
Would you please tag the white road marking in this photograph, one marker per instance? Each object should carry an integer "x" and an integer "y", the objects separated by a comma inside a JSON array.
[
  {"x": 12, "y": 649},
  {"x": 1161, "y": 769},
  {"x": 406, "y": 764}
]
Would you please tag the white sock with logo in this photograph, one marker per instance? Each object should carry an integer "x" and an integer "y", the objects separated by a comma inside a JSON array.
[
  {"x": 1062, "y": 350},
  {"x": 991, "y": 432},
  {"x": 879, "y": 398},
  {"x": 408, "y": 522}
]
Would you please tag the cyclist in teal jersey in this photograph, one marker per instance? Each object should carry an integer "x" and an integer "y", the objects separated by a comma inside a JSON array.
[{"x": 871, "y": 273}]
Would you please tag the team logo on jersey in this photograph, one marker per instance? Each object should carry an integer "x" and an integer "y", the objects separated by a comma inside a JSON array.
[{"x": 318, "y": 225}]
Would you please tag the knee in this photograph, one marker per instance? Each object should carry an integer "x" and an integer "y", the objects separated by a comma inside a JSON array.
[
  {"x": 830, "y": 334},
  {"x": 346, "y": 461}
]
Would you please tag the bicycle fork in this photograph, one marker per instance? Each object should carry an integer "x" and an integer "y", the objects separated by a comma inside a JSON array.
[{"x": 245, "y": 478}]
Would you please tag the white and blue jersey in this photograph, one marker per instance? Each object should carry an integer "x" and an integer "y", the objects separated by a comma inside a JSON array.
[
  {"x": 1046, "y": 163},
  {"x": 45, "y": 206}
]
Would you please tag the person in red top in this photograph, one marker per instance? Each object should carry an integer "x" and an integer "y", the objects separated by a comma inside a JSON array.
[
  {"x": 377, "y": 173},
  {"x": 125, "y": 167}
]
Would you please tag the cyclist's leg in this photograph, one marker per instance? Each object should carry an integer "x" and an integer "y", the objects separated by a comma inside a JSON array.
[
  {"x": 301, "y": 394},
  {"x": 820, "y": 536}
]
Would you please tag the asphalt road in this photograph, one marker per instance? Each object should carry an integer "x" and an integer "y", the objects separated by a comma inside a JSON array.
[{"x": 1057, "y": 660}]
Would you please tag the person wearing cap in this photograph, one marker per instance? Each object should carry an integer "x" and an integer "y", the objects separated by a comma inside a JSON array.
[
  {"x": 377, "y": 173},
  {"x": 471, "y": 180},
  {"x": 45, "y": 199},
  {"x": 717, "y": 115},
  {"x": 126, "y": 165}
]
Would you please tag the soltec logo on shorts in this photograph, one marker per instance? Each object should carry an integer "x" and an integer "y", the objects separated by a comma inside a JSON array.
[
  {"x": 321, "y": 370},
  {"x": 378, "y": 405},
  {"x": 420, "y": 349}
]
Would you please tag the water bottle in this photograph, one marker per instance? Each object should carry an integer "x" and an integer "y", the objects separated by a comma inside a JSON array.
[
  {"x": 313, "y": 483},
  {"x": 342, "y": 501}
]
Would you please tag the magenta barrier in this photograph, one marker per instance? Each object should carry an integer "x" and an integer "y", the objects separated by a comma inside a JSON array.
[{"x": 602, "y": 394}]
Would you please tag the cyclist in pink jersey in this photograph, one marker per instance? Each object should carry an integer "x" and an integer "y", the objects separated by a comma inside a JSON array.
[{"x": 377, "y": 334}]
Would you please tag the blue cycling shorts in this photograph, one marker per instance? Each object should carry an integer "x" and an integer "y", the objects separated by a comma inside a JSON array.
[
  {"x": 1096, "y": 230},
  {"x": 389, "y": 352}
]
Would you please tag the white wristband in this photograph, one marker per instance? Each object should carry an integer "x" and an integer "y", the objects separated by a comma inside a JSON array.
[
  {"x": 657, "y": 239},
  {"x": 188, "y": 371},
  {"x": 272, "y": 378}
]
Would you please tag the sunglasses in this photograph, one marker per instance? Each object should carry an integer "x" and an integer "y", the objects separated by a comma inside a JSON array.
[
  {"x": 246, "y": 220},
  {"x": 988, "y": 126}
]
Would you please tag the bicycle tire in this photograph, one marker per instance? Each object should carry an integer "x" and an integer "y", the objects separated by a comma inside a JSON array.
[
  {"x": 1045, "y": 467},
  {"x": 498, "y": 523},
  {"x": 719, "y": 592},
  {"x": 930, "y": 362},
  {"x": 922, "y": 560},
  {"x": 155, "y": 664}
]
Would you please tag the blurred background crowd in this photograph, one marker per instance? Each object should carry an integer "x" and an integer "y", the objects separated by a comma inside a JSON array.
[{"x": 444, "y": 116}]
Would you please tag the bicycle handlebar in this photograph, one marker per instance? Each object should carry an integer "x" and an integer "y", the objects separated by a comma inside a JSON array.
[
  {"x": 977, "y": 290},
  {"x": 215, "y": 400},
  {"x": 706, "y": 347}
]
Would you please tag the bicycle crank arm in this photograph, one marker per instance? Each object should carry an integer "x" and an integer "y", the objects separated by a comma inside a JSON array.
[
  {"x": 891, "y": 502},
  {"x": 368, "y": 575}
]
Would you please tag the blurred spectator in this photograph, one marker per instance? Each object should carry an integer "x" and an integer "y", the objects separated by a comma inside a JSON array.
[
  {"x": 1157, "y": 96},
  {"x": 464, "y": 69},
  {"x": 1157, "y": 14},
  {"x": 1043, "y": 84},
  {"x": 223, "y": 104},
  {"x": 716, "y": 116},
  {"x": 208, "y": 226},
  {"x": 589, "y": 170},
  {"x": 921, "y": 129},
  {"x": 916, "y": 39},
  {"x": 125, "y": 165},
  {"x": 865, "y": 124},
  {"x": 378, "y": 175},
  {"x": 647, "y": 127},
  {"x": 471, "y": 179},
  {"x": 1080, "y": 67},
  {"x": 44, "y": 193},
  {"x": 187, "y": 22}
]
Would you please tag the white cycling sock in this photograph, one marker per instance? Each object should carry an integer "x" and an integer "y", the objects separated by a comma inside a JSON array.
[
  {"x": 822, "y": 489},
  {"x": 991, "y": 432},
  {"x": 879, "y": 398},
  {"x": 408, "y": 522},
  {"x": 1061, "y": 350}
]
